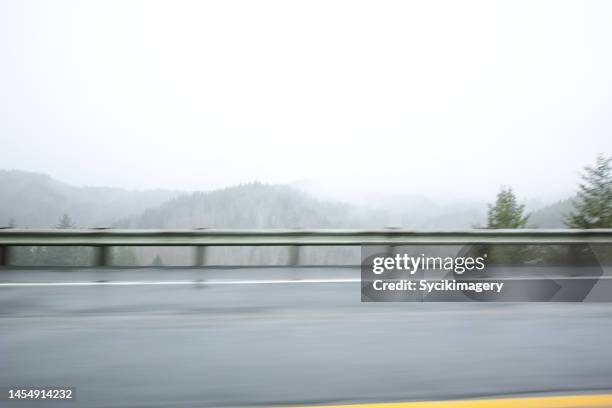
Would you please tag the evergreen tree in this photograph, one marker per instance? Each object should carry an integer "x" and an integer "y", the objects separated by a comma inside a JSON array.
[
  {"x": 506, "y": 213},
  {"x": 12, "y": 223},
  {"x": 65, "y": 222},
  {"x": 593, "y": 207},
  {"x": 62, "y": 256},
  {"x": 157, "y": 261}
]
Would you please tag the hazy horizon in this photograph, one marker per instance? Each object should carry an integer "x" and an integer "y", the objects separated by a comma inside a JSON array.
[
  {"x": 330, "y": 192},
  {"x": 438, "y": 99}
]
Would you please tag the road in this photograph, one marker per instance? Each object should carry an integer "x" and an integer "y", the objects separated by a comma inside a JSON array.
[{"x": 283, "y": 343}]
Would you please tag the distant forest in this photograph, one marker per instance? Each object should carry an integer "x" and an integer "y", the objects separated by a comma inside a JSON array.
[{"x": 31, "y": 200}]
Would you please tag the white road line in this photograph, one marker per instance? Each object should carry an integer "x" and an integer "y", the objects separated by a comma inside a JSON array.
[
  {"x": 239, "y": 282},
  {"x": 162, "y": 283}
]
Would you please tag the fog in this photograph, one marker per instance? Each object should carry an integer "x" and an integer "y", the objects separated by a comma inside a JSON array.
[{"x": 430, "y": 98}]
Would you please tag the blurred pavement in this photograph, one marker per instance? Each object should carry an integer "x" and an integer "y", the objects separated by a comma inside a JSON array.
[{"x": 287, "y": 343}]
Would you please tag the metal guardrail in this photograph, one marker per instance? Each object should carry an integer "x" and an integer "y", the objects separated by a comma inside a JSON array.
[{"x": 294, "y": 238}]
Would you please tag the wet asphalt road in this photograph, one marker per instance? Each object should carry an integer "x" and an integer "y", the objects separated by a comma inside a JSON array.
[{"x": 285, "y": 343}]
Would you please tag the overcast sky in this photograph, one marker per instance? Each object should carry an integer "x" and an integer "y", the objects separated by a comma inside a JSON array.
[{"x": 442, "y": 98}]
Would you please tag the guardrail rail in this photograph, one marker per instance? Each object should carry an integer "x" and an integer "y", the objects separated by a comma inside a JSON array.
[{"x": 103, "y": 239}]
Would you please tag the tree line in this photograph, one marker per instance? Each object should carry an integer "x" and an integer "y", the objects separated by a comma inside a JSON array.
[{"x": 592, "y": 208}]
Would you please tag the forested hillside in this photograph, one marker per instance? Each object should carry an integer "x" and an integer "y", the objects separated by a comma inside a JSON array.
[
  {"x": 251, "y": 205},
  {"x": 38, "y": 201},
  {"x": 551, "y": 216}
]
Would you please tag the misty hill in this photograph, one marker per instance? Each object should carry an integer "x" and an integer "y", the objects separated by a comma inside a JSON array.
[
  {"x": 258, "y": 205},
  {"x": 251, "y": 205},
  {"x": 400, "y": 209},
  {"x": 37, "y": 200},
  {"x": 552, "y": 215}
]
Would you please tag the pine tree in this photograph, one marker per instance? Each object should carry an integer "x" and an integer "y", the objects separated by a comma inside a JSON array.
[
  {"x": 593, "y": 207},
  {"x": 157, "y": 261},
  {"x": 63, "y": 256},
  {"x": 506, "y": 213},
  {"x": 65, "y": 222}
]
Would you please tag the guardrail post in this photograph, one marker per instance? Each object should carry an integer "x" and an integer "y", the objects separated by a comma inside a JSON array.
[
  {"x": 4, "y": 255},
  {"x": 391, "y": 249},
  {"x": 294, "y": 255},
  {"x": 102, "y": 256},
  {"x": 199, "y": 256}
]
